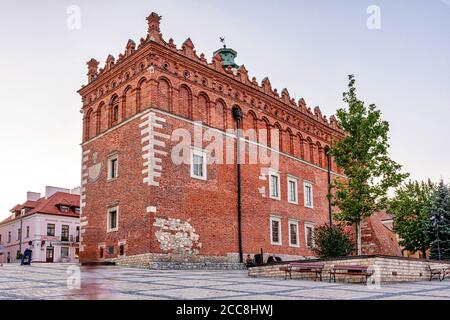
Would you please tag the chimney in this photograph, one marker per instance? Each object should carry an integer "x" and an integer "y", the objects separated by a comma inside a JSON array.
[
  {"x": 49, "y": 191},
  {"x": 33, "y": 196}
]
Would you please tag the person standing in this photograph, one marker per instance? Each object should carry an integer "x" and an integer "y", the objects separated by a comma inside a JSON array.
[{"x": 27, "y": 254}]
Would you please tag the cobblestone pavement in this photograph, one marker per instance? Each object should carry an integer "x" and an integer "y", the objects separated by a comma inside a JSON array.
[{"x": 59, "y": 281}]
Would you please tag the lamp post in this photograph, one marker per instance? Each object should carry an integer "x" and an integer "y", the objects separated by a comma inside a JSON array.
[{"x": 435, "y": 222}]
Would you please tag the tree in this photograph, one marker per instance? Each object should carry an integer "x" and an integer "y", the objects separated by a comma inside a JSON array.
[
  {"x": 331, "y": 241},
  {"x": 438, "y": 224},
  {"x": 410, "y": 208},
  {"x": 363, "y": 156}
]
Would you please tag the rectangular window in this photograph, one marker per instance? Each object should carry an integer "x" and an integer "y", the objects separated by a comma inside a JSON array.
[
  {"x": 64, "y": 252},
  {"x": 112, "y": 219},
  {"x": 28, "y": 232},
  {"x": 274, "y": 185},
  {"x": 19, "y": 234},
  {"x": 64, "y": 233},
  {"x": 113, "y": 167},
  {"x": 275, "y": 230},
  {"x": 309, "y": 236},
  {"x": 292, "y": 190},
  {"x": 64, "y": 209},
  {"x": 9, "y": 236},
  {"x": 50, "y": 230},
  {"x": 198, "y": 164},
  {"x": 308, "y": 190},
  {"x": 293, "y": 233}
]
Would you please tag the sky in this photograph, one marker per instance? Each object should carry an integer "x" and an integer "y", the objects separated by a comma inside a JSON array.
[{"x": 398, "y": 50}]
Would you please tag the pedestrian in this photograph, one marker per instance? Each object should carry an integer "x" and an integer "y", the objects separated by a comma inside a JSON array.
[
  {"x": 249, "y": 263},
  {"x": 27, "y": 254},
  {"x": 2, "y": 254}
]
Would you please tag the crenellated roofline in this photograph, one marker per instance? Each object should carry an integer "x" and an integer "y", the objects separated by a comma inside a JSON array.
[{"x": 154, "y": 44}]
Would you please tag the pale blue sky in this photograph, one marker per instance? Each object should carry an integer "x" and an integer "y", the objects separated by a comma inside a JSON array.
[{"x": 307, "y": 46}]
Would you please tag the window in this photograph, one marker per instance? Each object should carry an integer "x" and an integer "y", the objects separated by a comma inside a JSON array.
[
  {"x": 101, "y": 252},
  {"x": 115, "y": 113},
  {"x": 293, "y": 233},
  {"x": 274, "y": 185},
  {"x": 112, "y": 220},
  {"x": 198, "y": 164},
  {"x": 308, "y": 190},
  {"x": 64, "y": 252},
  {"x": 309, "y": 236},
  {"x": 275, "y": 230},
  {"x": 50, "y": 230},
  {"x": 64, "y": 209},
  {"x": 121, "y": 249},
  {"x": 292, "y": 189},
  {"x": 77, "y": 210},
  {"x": 28, "y": 232},
  {"x": 77, "y": 253},
  {"x": 113, "y": 167},
  {"x": 19, "y": 234},
  {"x": 9, "y": 236},
  {"x": 64, "y": 233}
]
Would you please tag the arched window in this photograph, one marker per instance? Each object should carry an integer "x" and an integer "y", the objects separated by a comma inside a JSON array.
[
  {"x": 185, "y": 102},
  {"x": 265, "y": 133},
  {"x": 164, "y": 93},
  {"x": 203, "y": 108},
  {"x": 114, "y": 110}
]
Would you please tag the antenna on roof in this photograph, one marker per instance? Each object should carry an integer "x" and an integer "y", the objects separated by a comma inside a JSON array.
[{"x": 222, "y": 39}]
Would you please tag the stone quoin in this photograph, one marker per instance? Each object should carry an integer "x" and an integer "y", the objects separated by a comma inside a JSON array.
[{"x": 140, "y": 205}]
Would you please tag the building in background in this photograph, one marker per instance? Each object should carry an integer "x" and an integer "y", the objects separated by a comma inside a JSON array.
[{"x": 50, "y": 222}]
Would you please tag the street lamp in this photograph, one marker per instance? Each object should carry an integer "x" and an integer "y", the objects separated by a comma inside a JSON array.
[{"x": 435, "y": 222}]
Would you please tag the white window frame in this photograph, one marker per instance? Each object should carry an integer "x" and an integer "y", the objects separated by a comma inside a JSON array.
[
  {"x": 111, "y": 158},
  {"x": 294, "y": 179},
  {"x": 278, "y": 219},
  {"x": 108, "y": 222},
  {"x": 293, "y": 222},
  {"x": 68, "y": 252},
  {"x": 310, "y": 185},
  {"x": 200, "y": 153},
  {"x": 313, "y": 244},
  {"x": 276, "y": 174}
]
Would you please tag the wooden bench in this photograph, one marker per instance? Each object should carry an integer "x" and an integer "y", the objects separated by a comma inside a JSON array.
[
  {"x": 350, "y": 270},
  {"x": 303, "y": 267},
  {"x": 440, "y": 272}
]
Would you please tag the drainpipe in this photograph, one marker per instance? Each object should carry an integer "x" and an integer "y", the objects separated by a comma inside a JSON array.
[
  {"x": 329, "y": 187},
  {"x": 237, "y": 115}
]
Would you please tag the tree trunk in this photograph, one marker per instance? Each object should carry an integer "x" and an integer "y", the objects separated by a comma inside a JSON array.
[
  {"x": 358, "y": 238},
  {"x": 424, "y": 252}
]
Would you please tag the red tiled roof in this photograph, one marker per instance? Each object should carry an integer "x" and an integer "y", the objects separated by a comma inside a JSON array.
[{"x": 49, "y": 206}]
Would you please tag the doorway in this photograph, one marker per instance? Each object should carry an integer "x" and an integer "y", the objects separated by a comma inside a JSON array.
[{"x": 49, "y": 254}]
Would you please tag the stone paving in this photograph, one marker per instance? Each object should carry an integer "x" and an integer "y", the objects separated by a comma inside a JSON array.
[{"x": 59, "y": 281}]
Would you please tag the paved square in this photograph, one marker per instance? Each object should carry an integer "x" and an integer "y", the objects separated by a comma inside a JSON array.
[{"x": 57, "y": 281}]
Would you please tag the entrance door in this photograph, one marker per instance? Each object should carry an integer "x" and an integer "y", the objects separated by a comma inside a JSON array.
[{"x": 49, "y": 255}]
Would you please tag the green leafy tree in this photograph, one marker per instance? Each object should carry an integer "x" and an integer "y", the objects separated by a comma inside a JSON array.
[
  {"x": 363, "y": 156},
  {"x": 438, "y": 224},
  {"x": 331, "y": 241},
  {"x": 410, "y": 208}
]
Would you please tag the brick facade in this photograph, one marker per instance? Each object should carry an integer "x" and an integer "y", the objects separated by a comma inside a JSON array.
[{"x": 133, "y": 110}]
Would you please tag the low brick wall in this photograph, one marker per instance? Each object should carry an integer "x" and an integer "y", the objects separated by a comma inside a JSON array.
[{"x": 388, "y": 269}]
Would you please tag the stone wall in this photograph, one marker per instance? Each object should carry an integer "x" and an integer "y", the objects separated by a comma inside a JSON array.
[{"x": 389, "y": 269}]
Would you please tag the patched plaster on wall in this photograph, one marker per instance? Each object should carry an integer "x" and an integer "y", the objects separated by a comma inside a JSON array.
[{"x": 177, "y": 236}]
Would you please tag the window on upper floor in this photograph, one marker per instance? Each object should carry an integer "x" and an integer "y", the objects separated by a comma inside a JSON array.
[
  {"x": 19, "y": 234},
  {"x": 198, "y": 164},
  {"x": 9, "y": 236},
  {"x": 64, "y": 233},
  {"x": 292, "y": 183},
  {"x": 64, "y": 209},
  {"x": 274, "y": 185},
  {"x": 113, "y": 167},
  {"x": 115, "y": 116},
  {"x": 50, "y": 230},
  {"x": 308, "y": 192},
  {"x": 28, "y": 232}
]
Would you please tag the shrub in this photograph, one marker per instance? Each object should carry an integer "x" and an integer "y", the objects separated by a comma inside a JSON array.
[{"x": 332, "y": 241}]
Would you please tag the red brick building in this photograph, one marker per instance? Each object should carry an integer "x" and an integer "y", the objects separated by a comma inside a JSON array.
[{"x": 139, "y": 200}]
